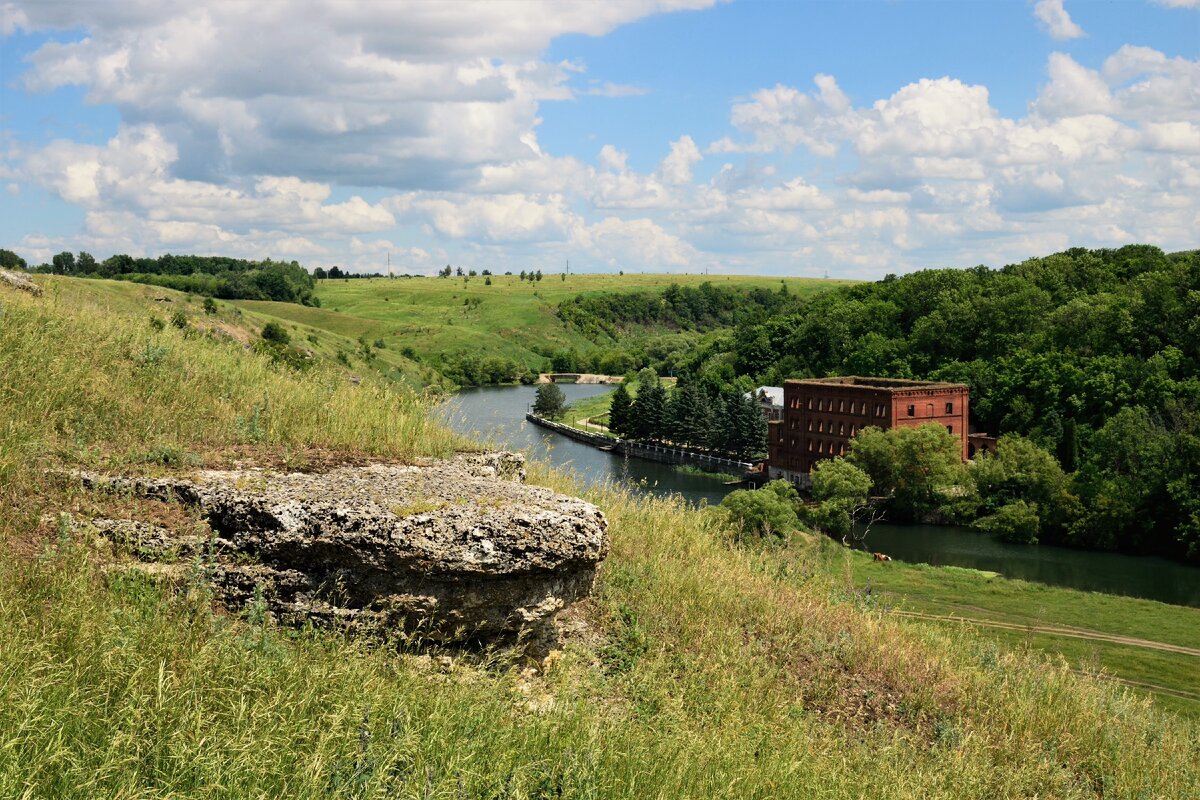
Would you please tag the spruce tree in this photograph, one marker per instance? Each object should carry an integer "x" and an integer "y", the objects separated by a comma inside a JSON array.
[
  {"x": 649, "y": 412},
  {"x": 619, "y": 411}
]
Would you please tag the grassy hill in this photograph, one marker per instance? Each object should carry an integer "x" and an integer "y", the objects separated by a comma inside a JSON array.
[
  {"x": 511, "y": 318},
  {"x": 700, "y": 667}
]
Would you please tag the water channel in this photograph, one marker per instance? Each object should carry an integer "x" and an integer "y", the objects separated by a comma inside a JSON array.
[{"x": 497, "y": 415}]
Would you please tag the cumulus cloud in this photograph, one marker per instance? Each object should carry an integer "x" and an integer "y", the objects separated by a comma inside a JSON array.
[
  {"x": 427, "y": 92},
  {"x": 349, "y": 136},
  {"x": 677, "y": 166},
  {"x": 1055, "y": 20}
]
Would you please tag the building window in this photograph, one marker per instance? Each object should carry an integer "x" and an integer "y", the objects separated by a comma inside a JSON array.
[
  {"x": 949, "y": 429},
  {"x": 810, "y": 424},
  {"x": 912, "y": 411},
  {"x": 841, "y": 429},
  {"x": 852, "y": 431},
  {"x": 810, "y": 445},
  {"x": 841, "y": 406},
  {"x": 949, "y": 408},
  {"x": 810, "y": 404},
  {"x": 879, "y": 409}
]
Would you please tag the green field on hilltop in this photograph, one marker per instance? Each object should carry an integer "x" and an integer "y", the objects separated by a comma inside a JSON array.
[{"x": 511, "y": 318}]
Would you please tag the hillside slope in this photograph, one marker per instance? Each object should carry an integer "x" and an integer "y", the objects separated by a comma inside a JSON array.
[
  {"x": 442, "y": 320},
  {"x": 700, "y": 668}
]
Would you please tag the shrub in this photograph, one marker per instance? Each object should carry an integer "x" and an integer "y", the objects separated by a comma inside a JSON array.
[
  {"x": 274, "y": 332},
  {"x": 767, "y": 513},
  {"x": 210, "y": 306},
  {"x": 1015, "y": 522},
  {"x": 179, "y": 319}
]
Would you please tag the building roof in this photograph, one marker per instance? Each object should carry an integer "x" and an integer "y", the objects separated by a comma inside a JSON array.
[
  {"x": 774, "y": 394},
  {"x": 886, "y": 384}
]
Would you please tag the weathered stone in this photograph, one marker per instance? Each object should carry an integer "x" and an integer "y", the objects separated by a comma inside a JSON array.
[
  {"x": 457, "y": 549},
  {"x": 19, "y": 281}
]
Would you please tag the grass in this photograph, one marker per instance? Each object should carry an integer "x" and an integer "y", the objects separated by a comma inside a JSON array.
[
  {"x": 698, "y": 668},
  {"x": 971, "y": 595},
  {"x": 511, "y": 319}
]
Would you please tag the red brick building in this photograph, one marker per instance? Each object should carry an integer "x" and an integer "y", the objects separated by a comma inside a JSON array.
[{"x": 821, "y": 415}]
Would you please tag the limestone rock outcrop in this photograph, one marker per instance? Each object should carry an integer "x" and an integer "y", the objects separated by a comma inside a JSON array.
[
  {"x": 456, "y": 550},
  {"x": 19, "y": 281}
]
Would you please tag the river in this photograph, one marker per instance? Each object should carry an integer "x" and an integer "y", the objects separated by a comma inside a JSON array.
[{"x": 497, "y": 415}]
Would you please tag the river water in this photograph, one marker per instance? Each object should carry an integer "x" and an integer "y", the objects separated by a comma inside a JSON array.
[{"x": 497, "y": 415}]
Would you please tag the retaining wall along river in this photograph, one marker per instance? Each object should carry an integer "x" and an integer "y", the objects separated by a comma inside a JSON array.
[{"x": 650, "y": 452}]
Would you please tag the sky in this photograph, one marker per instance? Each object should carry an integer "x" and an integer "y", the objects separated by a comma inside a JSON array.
[{"x": 848, "y": 139}]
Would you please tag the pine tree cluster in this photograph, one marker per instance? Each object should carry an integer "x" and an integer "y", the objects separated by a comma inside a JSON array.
[{"x": 729, "y": 423}]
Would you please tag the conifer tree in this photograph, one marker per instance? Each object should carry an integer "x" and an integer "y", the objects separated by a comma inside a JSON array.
[
  {"x": 550, "y": 401},
  {"x": 647, "y": 420},
  {"x": 619, "y": 411}
]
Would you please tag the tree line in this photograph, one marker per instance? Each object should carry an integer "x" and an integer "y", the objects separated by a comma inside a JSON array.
[
  {"x": 1019, "y": 493},
  {"x": 703, "y": 307},
  {"x": 729, "y": 423},
  {"x": 210, "y": 276}
]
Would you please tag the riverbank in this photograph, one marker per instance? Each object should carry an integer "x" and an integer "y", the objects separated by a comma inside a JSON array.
[{"x": 1151, "y": 646}]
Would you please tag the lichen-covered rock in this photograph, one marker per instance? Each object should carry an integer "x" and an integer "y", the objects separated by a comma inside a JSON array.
[{"x": 457, "y": 549}]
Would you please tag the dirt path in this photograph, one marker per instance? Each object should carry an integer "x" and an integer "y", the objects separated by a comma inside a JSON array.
[
  {"x": 1059, "y": 630},
  {"x": 1148, "y": 687}
]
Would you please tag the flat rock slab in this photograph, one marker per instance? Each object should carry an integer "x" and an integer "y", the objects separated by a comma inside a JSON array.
[{"x": 458, "y": 549}]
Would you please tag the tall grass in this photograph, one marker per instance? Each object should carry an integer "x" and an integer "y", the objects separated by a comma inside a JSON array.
[
  {"x": 84, "y": 384},
  {"x": 698, "y": 669}
]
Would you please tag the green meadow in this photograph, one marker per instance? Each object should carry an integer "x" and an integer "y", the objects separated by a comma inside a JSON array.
[{"x": 511, "y": 318}]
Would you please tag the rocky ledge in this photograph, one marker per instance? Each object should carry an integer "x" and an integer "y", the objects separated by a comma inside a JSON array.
[
  {"x": 455, "y": 550},
  {"x": 19, "y": 281}
]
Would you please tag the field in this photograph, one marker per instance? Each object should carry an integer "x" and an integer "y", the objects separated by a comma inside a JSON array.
[
  {"x": 699, "y": 668},
  {"x": 511, "y": 319},
  {"x": 1149, "y": 645}
]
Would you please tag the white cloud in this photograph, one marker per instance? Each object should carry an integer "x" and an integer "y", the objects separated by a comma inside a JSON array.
[
  {"x": 427, "y": 92},
  {"x": 1055, "y": 20},
  {"x": 677, "y": 166},
  {"x": 615, "y": 90},
  {"x": 1073, "y": 90},
  {"x": 344, "y": 136}
]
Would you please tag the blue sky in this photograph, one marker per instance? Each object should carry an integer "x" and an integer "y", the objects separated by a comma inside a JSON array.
[{"x": 854, "y": 139}]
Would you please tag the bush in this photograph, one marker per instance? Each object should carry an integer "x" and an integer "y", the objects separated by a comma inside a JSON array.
[
  {"x": 210, "y": 306},
  {"x": 768, "y": 513},
  {"x": 274, "y": 332},
  {"x": 1016, "y": 522},
  {"x": 179, "y": 319}
]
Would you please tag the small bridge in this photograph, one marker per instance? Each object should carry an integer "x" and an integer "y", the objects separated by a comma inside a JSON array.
[{"x": 578, "y": 377}]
